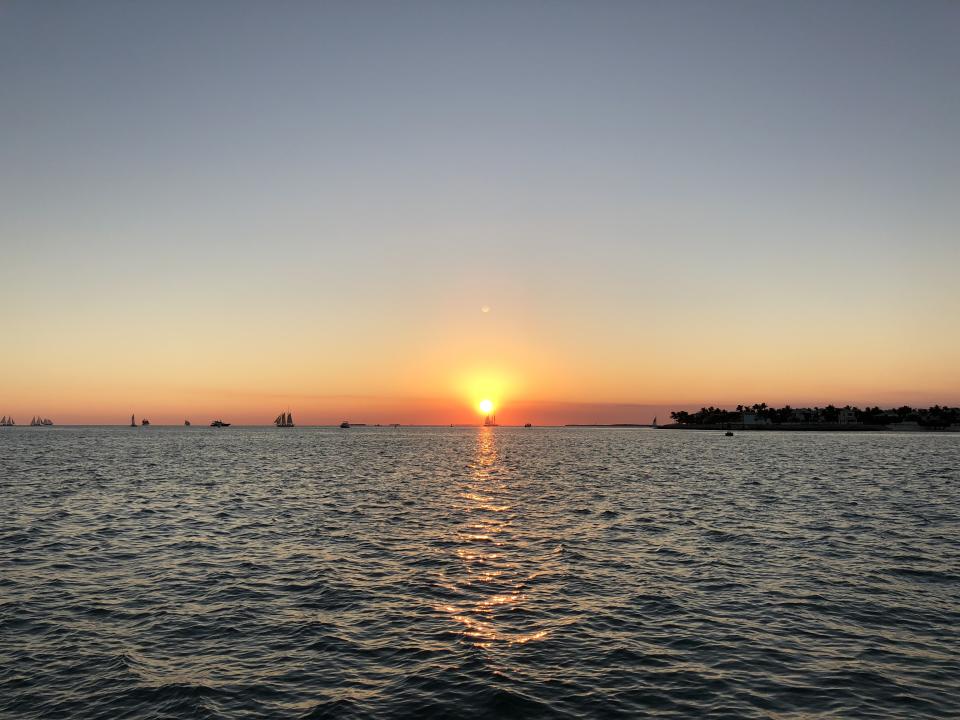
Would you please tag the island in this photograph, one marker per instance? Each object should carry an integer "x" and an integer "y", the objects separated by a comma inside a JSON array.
[{"x": 760, "y": 416}]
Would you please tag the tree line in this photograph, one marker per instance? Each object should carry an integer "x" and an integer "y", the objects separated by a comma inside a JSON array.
[{"x": 935, "y": 416}]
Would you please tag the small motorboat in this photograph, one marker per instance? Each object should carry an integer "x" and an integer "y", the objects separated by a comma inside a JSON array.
[
  {"x": 144, "y": 422},
  {"x": 527, "y": 425},
  {"x": 345, "y": 425},
  {"x": 728, "y": 434},
  {"x": 219, "y": 423},
  {"x": 186, "y": 423}
]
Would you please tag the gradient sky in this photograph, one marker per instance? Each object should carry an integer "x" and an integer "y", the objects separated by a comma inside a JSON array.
[{"x": 228, "y": 209}]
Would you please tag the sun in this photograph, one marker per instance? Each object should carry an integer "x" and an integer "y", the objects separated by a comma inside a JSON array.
[{"x": 486, "y": 406}]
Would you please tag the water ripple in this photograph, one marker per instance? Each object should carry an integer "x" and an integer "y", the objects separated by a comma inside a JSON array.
[{"x": 312, "y": 573}]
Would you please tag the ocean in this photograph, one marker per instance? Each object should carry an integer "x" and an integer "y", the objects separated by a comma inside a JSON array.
[{"x": 470, "y": 573}]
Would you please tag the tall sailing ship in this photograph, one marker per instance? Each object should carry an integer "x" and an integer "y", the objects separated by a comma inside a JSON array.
[
  {"x": 7, "y": 422},
  {"x": 41, "y": 421},
  {"x": 284, "y": 420}
]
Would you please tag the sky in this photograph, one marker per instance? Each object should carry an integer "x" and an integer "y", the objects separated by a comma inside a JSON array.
[{"x": 232, "y": 209}]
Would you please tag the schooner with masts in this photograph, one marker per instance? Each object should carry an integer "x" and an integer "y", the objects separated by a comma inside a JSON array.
[{"x": 284, "y": 420}]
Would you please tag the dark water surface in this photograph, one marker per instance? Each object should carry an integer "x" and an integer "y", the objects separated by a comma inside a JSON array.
[{"x": 238, "y": 573}]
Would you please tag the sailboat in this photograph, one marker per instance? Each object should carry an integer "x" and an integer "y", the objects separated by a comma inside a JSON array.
[
  {"x": 284, "y": 420},
  {"x": 654, "y": 423},
  {"x": 41, "y": 422},
  {"x": 7, "y": 422},
  {"x": 490, "y": 421},
  {"x": 133, "y": 422}
]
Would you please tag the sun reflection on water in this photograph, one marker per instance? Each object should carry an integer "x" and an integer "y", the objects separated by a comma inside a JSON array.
[{"x": 495, "y": 572}]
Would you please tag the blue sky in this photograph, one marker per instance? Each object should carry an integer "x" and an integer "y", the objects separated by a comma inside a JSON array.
[{"x": 601, "y": 173}]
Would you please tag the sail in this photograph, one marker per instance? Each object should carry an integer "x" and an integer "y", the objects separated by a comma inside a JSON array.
[{"x": 289, "y": 418}]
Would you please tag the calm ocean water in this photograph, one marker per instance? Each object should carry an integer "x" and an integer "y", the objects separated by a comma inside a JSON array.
[{"x": 306, "y": 573}]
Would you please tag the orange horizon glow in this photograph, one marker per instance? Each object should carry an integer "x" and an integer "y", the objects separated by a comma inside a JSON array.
[
  {"x": 96, "y": 362},
  {"x": 102, "y": 385}
]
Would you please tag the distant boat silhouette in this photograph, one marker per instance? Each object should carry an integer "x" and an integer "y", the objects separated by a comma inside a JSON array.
[
  {"x": 728, "y": 434},
  {"x": 133, "y": 422},
  {"x": 144, "y": 422},
  {"x": 284, "y": 420},
  {"x": 7, "y": 422},
  {"x": 345, "y": 425},
  {"x": 219, "y": 423},
  {"x": 186, "y": 423},
  {"x": 490, "y": 421},
  {"x": 654, "y": 423},
  {"x": 41, "y": 422},
  {"x": 527, "y": 425}
]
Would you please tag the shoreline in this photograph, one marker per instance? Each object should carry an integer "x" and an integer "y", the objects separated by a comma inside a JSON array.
[{"x": 811, "y": 427}]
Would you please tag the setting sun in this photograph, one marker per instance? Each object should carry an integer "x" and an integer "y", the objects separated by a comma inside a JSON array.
[{"x": 486, "y": 406}]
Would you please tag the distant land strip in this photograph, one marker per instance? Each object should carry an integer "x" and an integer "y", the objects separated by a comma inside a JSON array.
[{"x": 762, "y": 417}]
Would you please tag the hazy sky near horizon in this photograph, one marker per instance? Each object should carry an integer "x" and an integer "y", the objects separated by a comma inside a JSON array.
[{"x": 212, "y": 208}]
